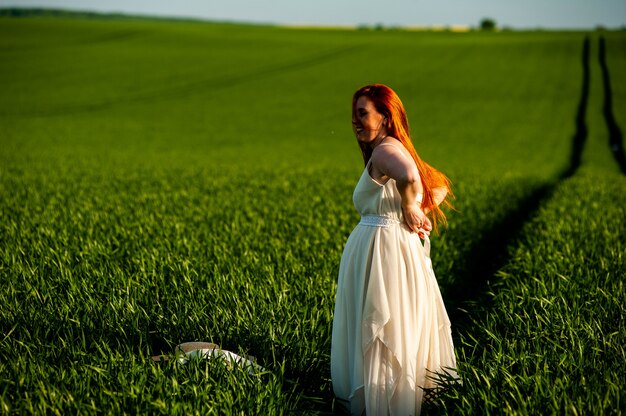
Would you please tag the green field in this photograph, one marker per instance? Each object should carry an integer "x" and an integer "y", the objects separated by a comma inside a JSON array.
[{"x": 164, "y": 182}]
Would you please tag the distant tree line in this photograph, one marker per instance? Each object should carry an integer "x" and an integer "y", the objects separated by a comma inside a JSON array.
[
  {"x": 27, "y": 12},
  {"x": 19, "y": 12}
]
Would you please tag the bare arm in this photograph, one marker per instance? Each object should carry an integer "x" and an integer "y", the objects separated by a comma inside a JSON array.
[{"x": 392, "y": 163}]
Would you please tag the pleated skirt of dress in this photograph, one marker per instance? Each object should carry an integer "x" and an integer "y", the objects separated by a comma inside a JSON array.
[{"x": 391, "y": 333}]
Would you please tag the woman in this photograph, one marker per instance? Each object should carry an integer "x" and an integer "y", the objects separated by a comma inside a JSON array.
[{"x": 391, "y": 333}]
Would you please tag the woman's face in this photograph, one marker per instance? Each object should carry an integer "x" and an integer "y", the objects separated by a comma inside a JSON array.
[{"x": 367, "y": 122}]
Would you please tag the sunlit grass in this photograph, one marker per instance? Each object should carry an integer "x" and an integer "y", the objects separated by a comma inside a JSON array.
[
  {"x": 550, "y": 334},
  {"x": 169, "y": 182}
]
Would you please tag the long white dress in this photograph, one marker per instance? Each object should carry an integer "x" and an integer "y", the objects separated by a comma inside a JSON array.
[{"x": 390, "y": 326}]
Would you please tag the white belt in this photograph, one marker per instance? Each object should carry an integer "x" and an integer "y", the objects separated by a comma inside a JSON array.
[
  {"x": 378, "y": 221},
  {"x": 386, "y": 222}
]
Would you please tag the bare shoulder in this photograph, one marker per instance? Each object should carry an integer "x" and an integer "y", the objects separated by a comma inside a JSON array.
[
  {"x": 392, "y": 152},
  {"x": 391, "y": 148},
  {"x": 391, "y": 159}
]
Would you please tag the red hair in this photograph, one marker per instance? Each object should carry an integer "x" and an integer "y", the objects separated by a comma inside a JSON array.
[{"x": 387, "y": 103}]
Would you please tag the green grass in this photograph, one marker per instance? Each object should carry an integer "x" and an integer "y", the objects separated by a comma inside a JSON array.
[
  {"x": 552, "y": 338},
  {"x": 167, "y": 182}
]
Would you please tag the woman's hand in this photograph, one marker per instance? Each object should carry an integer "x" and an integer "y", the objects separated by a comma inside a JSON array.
[{"x": 415, "y": 219}]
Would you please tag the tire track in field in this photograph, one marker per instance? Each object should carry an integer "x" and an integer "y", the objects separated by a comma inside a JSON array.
[
  {"x": 616, "y": 140},
  {"x": 580, "y": 136},
  {"x": 214, "y": 84},
  {"x": 489, "y": 253}
]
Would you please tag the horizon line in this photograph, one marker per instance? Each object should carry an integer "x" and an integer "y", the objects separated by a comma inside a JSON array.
[{"x": 433, "y": 27}]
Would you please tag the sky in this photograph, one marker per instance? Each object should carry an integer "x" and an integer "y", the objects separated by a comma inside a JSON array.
[{"x": 520, "y": 14}]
